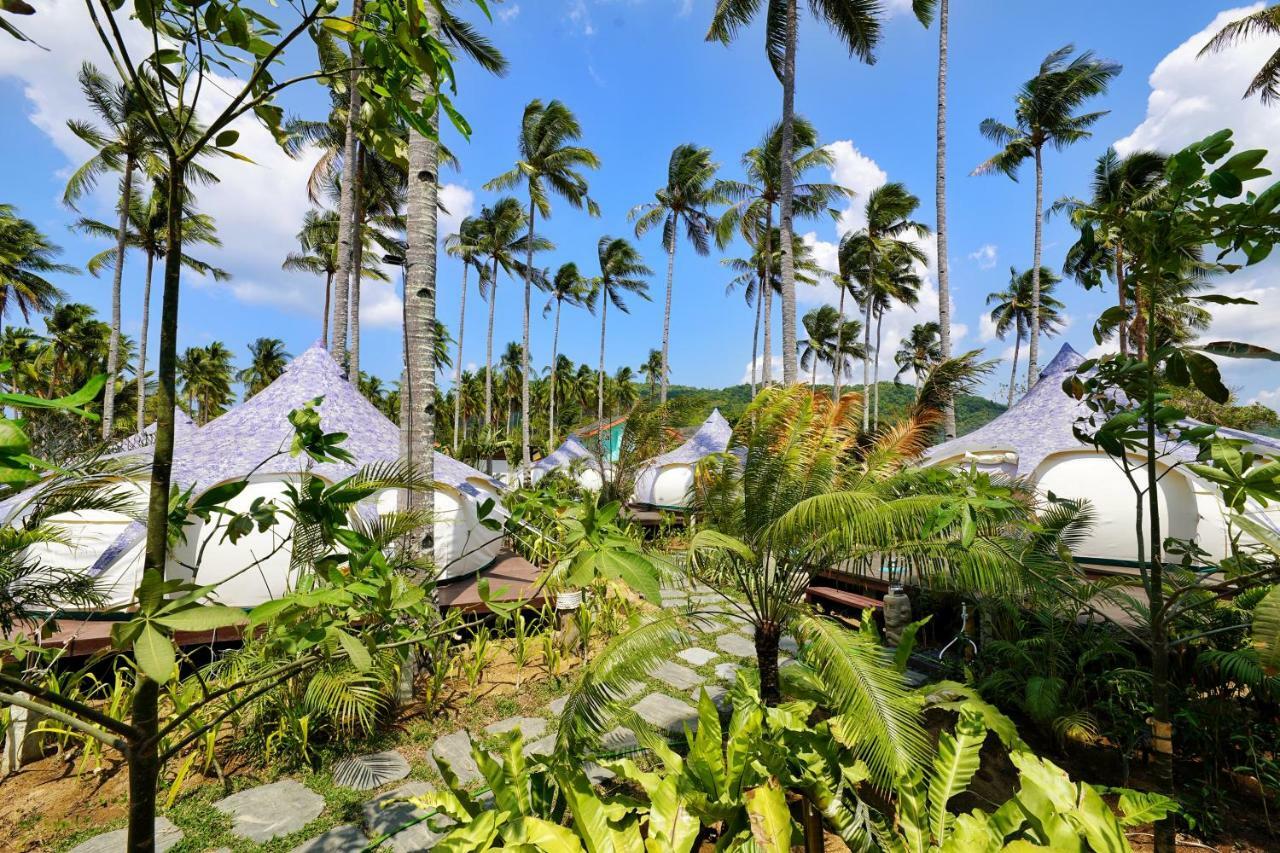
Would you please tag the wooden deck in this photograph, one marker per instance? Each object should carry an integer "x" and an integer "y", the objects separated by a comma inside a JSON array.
[
  {"x": 82, "y": 636},
  {"x": 511, "y": 578}
]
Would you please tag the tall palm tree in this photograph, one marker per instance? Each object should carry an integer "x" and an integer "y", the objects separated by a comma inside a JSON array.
[
  {"x": 940, "y": 194},
  {"x": 1045, "y": 114},
  {"x": 26, "y": 256},
  {"x": 503, "y": 239},
  {"x": 467, "y": 245},
  {"x": 751, "y": 214},
  {"x": 549, "y": 162},
  {"x": 651, "y": 370},
  {"x": 206, "y": 374},
  {"x": 148, "y": 232},
  {"x": 622, "y": 271},
  {"x": 1014, "y": 310},
  {"x": 127, "y": 143},
  {"x": 820, "y": 343},
  {"x": 318, "y": 240},
  {"x": 1120, "y": 188},
  {"x": 690, "y": 189},
  {"x": 624, "y": 389},
  {"x": 267, "y": 360},
  {"x": 919, "y": 351},
  {"x": 379, "y": 218},
  {"x": 567, "y": 286},
  {"x": 901, "y": 287},
  {"x": 857, "y": 24},
  {"x": 511, "y": 365},
  {"x": 890, "y": 232},
  {"x": 1264, "y": 22}
]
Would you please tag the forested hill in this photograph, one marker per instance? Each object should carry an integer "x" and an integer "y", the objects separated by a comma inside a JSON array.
[{"x": 692, "y": 405}]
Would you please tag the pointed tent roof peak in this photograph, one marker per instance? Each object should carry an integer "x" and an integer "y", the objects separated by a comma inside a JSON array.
[
  {"x": 1066, "y": 361},
  {"x": 315, "y": 358}
]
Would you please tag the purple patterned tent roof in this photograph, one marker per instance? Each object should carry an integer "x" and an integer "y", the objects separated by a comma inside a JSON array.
[
  {"x": 566, "y": 454},
  {"x": 183, "y": 429},
  {"x": 712, "y": 437}
]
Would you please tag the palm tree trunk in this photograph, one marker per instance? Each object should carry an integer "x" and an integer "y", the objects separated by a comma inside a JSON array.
[
  {"x": 142, "y": 344},
  {"x": 324, "y": 328},
  {"x": 488, "y": 351},
  {"x": 457, "y": 366},
  {"x": 766, "y": 369},
  {"x": 813, "y": 381},
  {"x": 768, "y": 636},
  {"x": 525, "y": 457},
  {"x": 1017, "y": 351},
  {"x": 839, "y": 353},
  {"x": 866, "y": 361},
  {"x": 113, "y": 348},
  {"x": 604, "y": 312},
  {"x": 420, "y": 296},
  {"x": 666, "y": 314},
  {"x": 346, "y": 210},
  {"x": 784, "y": 203},
  {"x": 357, "y": 265},
  {"x": 940, "y": 187},
  {"x": 551, "y": 414},
  {"x": 1033, "y": 348},
  {"x": 755, "y": 337},
  {"x": 875, "y": 371},
  {"x": 1123, "y": 329}
]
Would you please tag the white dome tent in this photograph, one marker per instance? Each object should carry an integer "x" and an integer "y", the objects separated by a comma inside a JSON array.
[
  {"x": 231, "y": 446},
  {"x": 665, "y": 481},
  {"x": 574, "y": 457},
  {"x": 1034, "y": 440}
]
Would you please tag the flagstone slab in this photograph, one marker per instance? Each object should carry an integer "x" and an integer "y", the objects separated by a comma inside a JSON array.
[
  {"x": 674, "y": 675},
  {"x": 531, "y": 728},
  {"x": 697, "y": 656},
  {"x": 269, "y": 811},
  {"x": 719, "y": 696},
  {"x": 391, "y": 811},
  {"x": 727, "y": 671},
  {"x": 595, "y": 773},
  {"x": 788, "y": 645},
  {"x": 619, "y": 740},
  {"x": 736, "y": 645},
  {"x": 543, "y": 746},
  {"x": 666, "y": 713},
  {"x": 167, "y": 835},
  {"x": 455, "y": 749},
  {"x": 366, "y": 772},
  {"x": 556, "y": 706},
  {"x": 340, "y": 839}
]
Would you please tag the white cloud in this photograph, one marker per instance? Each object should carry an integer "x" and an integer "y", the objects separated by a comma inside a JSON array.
[
  {"x": 858, "y": 172},
  {"x": 986, "y": 256},
  {"x": 509, "y": 14},
  {"x": 460, "y": 203},
  {"x": 986, "y": 328},
  {"x": 1192, "y": 97},
  {"x": 1268, "y": 398}
]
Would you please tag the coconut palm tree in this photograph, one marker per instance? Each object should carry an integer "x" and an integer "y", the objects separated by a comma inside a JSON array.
[
  {"x": 919, "y": 351},
  {"x": 467, "y": 245},
  {"x": 857, "y": 24},
  {"x": 901, "y": 286},
  {"x": 1045, "y": 114},
  {"x": 206, "y": 375},
  {"x": 1122, "y": 186},
  {"x": 1013, "y": 310},
  {"x": 148, "y": 233},
  {"x": 622, "y": 271},
  {"x": 890, "y": 232},
  {"x": 651, "y": 370},
  {"x": 567, "y": 286},
  {"x": 940, "y": 193},
  {"x": 820, "y": 343},
  {"x": 751, "y": 214},
  {"x": 690, "y": 189},
  {"x": 1264, "y": 22},
  {"x": 26, "y": 256},
  {"x": 318, "y": 240},
  {"x": 549, "y": 162},
  {"x": 267, "y": 360},
  {"x": 127, "y": 144},
  {"x": 503, "y": 240},
  {"x": 624, "y": 389},
  {"x": 511, "y": 365}
]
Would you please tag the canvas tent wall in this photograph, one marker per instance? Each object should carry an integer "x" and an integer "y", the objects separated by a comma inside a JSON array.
[
  {"x": 1034, "y": 440},
  {"x": 665, "y": 481},
  {"x": 257, "y": 567}
]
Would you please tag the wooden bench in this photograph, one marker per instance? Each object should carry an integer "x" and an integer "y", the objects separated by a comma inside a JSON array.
[{"x": 839, "y": 596}]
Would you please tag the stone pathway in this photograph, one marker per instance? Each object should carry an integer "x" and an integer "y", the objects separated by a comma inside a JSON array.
[
  {"x": 530, "y": 728},
  {"x": 455, "y": 749},
  {"x": 269, "y": 811},
  {"x": 736, "y": 645},
  {"x": 167, "y": 835},
  {"x": 340, "y": 839},
  {"x": 383, "y": 815},
  {"x": 697, "y": 656},
  {"x": 666, "y": 713},
  {"x": 675, "y": 675}
]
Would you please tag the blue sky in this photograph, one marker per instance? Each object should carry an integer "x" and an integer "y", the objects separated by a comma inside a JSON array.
[{"x": 642, "y": 80}]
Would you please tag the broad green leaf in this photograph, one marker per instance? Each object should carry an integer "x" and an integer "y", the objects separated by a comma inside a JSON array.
[
  {"x": 1266, "y": 631},
  {"x": 1235, "y": 349},
  {"x": 203, "y": 618},
  {"x": 770, "y": 818},
  {"x": 356, "y": 651},
  {"x": 155, "y": 655},
  {"x": 1207, "y": 378},
  {"x": 1139, "y": 807},
  {"x": 953, "y": 768}
]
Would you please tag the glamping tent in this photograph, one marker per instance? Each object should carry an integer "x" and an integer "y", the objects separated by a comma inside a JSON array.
[
  {"x": 256, "y": 568},
  {"x": 573, "y": 456},
  {"x": 1034, "y": 440},
  {"x": 665, "y": 481}
]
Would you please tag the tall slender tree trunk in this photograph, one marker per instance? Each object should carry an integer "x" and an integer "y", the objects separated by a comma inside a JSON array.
[
  {"x": 789, "y": 368},
  {"x": 1033, "y": 348},
  {"x": 457, "y": 367},
  {"x": 420, "y": 297},
  {"x": 328, "y": 293},
  {"x": 766, "y": 369},
  {"x": 525, "y": 458},
  {"x": 357, "y": 267},
  {"x": 144, "y": 764},
  {"x": 755, "y": 336},
  {"x": 117, "y": 278},
  {"x": 142, "y": 344},
  {"x": 1122, "y": 300},
  {"x": 866, "y": 358},
  {"x": 1017, "y": 351},
  {"x": 551, "y": 413},
  {"x": 839, "y": 353},
  {"x": 346, "y": 210},
  {"x": 488, "y": 351},
  {"x": 666, "y": 313},
  {"x": 875, "y": 371},
  {"x": 604, "y": 313},
  {"x": 940, "y": 187},
  {"x": 768, "y": 637}
]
